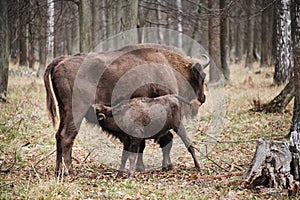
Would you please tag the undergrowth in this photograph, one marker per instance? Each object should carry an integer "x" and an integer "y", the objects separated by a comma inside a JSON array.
[{"x": 27, "y": 146}]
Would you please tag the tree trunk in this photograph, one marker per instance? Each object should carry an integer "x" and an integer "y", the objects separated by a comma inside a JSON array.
[
  {"x": 214, "y": 42},
  {"x": 160, "y": 35},
  {"x": 283, "y": 46},
  {"x": 250, "y": 34},
  {"x": 203, "y": 35},
  {"x": 224, "y": 41},
  {"x": 131, "y": 14},
  {"x": 238, "y": 41},
  {"x": 85, "y": 20},
  {"x": 295, "y": 126},
  {"x": 13, "y": 21},
  {"x": 179, "y": 23},
  {"x": 3, "y": 50},
  {"x": 22, "y": 43},
  {"x": 280, "y": 102},
  {"x": 50, "y": 45},
  {"x": 264, "y": 53},
  {"x": 31, "y": 46},
  {"x": 42, "y": 39}
]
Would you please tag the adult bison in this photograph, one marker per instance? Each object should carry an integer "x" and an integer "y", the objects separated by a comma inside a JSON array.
[{"x": 141, "y": 70}]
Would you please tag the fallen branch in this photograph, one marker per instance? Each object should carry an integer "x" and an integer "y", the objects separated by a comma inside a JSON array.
[
  {"x": 211, "y": 160},
  {"x": 88, "y": 155}
]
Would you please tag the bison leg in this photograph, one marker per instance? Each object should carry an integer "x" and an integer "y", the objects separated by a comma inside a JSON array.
[
  {"x": 58, "y": 169},
  {"x": 64, "y": 141},
  {"x": 188, "y": 144},
  {"x": 134, "y": 150},
  {"x": 140, "y": 167},
  {"x": 165, "y": 143},
  {"x": 125, "y": 155},
  {"x": 130, "y": 150}
]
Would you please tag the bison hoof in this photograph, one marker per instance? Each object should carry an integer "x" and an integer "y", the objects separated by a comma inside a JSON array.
[
  {"x": 140, "y": 169},
  {"x": 168, "y": 167}
]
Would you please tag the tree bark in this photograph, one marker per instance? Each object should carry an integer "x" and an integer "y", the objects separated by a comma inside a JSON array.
[
  {"x": 50, "y": 39},
  {"x": 265, "y": 46},
  {"x": 42, "y": 38},
  {"x": 31, "y": 38},
  {"x": 179, "y": 23},
  {"x": 131, "y": 14},
  {"x": 280, "y": 102},
  {"x": 270, "y": 166},
  {"x": 214, "y": 42},
  {"x": 22, "y": 43},
  {"x": 85, "y": 22},
  {"x": 250, "y": 34},
  {"x": 283, "y": 67},
  {"x": 224, "y": 41},
  {"x": 3, "y": 50},
  {"x": 295, "y": 127}
]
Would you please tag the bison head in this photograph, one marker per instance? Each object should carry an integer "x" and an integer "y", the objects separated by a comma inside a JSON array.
[{"x": 197, "y": 79}]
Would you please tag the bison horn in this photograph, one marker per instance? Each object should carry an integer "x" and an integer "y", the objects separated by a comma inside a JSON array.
[
  {"x": 101, "y": 116},
  {"x": 207, "y": 60}
]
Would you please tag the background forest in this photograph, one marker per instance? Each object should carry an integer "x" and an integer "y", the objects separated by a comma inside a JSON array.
[
  {"x": 232, "y": 30},
  {"x": 254, "y": 43}
]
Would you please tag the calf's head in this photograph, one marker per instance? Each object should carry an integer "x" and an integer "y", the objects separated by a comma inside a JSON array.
[{"x": 102, "y": 111}]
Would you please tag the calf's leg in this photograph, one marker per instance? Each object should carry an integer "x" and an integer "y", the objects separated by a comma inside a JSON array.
[
  {"x": 134, "y": 150},
  {"x": 165, "y": 143},
  {"x": 130, "y": 150},
  {"x": 140, "y": 167}
]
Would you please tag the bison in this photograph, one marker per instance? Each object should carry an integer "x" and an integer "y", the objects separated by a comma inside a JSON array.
[
  {"x": 141, "y": 70},
  {"x": 135, "y": 120}
]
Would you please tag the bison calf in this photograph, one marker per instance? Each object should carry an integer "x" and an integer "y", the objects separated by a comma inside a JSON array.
[{"x": 142, "y": 118}]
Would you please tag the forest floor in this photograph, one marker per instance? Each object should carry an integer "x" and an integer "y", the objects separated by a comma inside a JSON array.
[{"x": 27, "y": 149}]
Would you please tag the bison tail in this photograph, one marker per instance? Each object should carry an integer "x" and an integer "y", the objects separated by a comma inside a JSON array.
[{"x": 50, "y": 101}]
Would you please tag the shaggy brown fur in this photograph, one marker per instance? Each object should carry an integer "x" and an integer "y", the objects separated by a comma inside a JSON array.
[{"x": 135, "y": 124}]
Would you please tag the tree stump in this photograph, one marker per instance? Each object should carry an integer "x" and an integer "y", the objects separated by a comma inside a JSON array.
[{"x": 271, "y": 169}]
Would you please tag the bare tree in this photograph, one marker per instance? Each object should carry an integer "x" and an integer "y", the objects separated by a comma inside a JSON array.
[{"x": 3, "y": 50}]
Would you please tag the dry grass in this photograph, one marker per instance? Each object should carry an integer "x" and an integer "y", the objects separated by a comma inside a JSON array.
[{"x": 27, "y": 144}]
